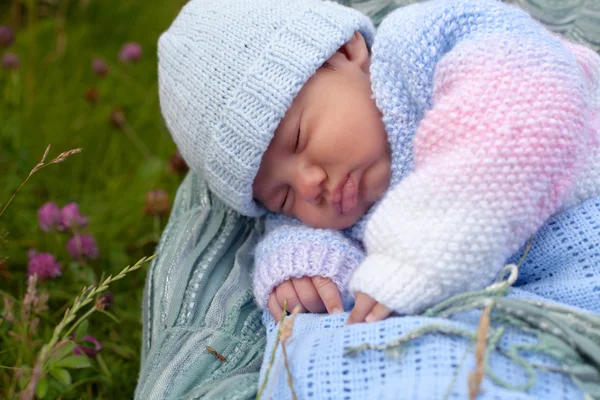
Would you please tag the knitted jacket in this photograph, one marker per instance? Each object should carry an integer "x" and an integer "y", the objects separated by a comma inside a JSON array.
[{"x": 493, "y": 127}]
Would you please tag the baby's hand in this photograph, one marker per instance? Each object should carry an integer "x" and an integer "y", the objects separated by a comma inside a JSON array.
[
  {"x": 367, "y": 309},
  {"x": 314, "y": 294}
]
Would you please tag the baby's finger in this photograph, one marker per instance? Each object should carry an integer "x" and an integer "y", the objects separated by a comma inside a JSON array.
[
  {"x": 309, "y": 297},
  {"x": 329, "y": 293},
  {"x": 378, "y": 313},
  {"x": 363, "y": 304},
  {"x": 286, "y": 291},
  {"x": 274, "y": 307}
]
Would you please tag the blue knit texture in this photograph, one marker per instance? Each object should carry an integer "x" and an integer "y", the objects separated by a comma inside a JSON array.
[
  {"x": 291, "y": 249},
  {"x": 228, "y": 71},
  {"x": 562, "y": 265}
]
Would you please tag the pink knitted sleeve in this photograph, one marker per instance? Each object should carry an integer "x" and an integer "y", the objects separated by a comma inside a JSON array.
[{"x": 495, "y": 156}]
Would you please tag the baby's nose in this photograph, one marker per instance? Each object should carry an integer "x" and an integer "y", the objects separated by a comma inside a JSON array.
[{"x": 310, "y": 184}]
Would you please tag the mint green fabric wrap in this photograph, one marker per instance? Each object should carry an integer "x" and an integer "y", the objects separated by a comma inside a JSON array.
[{"x": 198, "y": 294}]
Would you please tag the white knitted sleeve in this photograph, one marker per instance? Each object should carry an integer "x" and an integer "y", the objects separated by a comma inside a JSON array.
[{"x": 495, "y": 157}]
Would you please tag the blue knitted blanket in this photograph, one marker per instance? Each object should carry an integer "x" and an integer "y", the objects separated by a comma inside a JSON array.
[{"x": 562, "y": 266}]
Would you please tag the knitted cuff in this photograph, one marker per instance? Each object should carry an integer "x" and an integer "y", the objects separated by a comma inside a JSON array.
[{"x": 295, "y": 260}]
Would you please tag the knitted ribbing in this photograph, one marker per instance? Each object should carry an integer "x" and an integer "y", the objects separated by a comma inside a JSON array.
[{"x": 320, "y": 252}]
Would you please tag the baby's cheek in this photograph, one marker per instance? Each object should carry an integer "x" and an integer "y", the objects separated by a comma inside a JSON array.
[
  {"x": 318, "y": 219},
  {"x": 313, "y": 216},
  {"x": 361, "y": 211},
  {"x": 304, "y": 214}
]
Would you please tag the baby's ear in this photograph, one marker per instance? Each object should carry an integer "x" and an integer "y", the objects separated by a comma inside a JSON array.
[{"x": 356, "y": 50}]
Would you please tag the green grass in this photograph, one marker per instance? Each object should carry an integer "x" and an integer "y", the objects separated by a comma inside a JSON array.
[{"x": 44, "y": 103}]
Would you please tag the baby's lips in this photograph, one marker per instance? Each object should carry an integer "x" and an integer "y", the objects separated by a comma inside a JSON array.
[
  {"x": 349, "y": 206},
  {"x": 338, "y": 207},
  {"x": 348, "y": 196},
  {"x": 344, "y": 199}
]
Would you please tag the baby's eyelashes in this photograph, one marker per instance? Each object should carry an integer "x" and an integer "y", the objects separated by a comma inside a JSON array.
[
  {"x": 285, "y": 196},
  {"x": 288, "y": 203},
  {"x": 297, "y": 141}
]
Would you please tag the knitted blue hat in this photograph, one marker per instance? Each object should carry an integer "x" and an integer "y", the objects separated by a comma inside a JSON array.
[{"x": 228, "y": 71}]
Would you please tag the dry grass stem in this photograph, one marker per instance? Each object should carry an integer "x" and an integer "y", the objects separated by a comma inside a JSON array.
[
  {"x": 476, "y": 376},
  {"x": 9, "y": 305},
  {"x": 285, "y": 331},
  {"x": 288, "y": 325},
  {"x": 60, "y": 158},
  {"x": 64, "y": 155},
  {"x": 31, "y": 299},
  {"x": 86, "y": 297},
  {"x": 272, "y": 358}
]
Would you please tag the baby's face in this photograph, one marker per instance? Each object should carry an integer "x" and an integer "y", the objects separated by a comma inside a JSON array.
[{"x": 329, "y": 160}]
